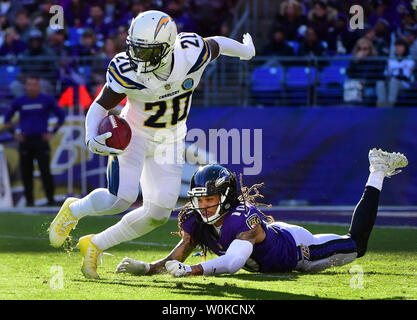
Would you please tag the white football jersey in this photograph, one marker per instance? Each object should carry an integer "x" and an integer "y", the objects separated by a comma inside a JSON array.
[{"x": 158, "y": 109}]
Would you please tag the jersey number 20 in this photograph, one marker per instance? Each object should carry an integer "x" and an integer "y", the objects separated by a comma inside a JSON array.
[{"x": 179, "y": 111}]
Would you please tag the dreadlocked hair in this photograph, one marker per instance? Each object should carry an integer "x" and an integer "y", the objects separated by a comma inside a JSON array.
[
  {"x": 184, "y": 214},
  {"x": 247, "y": 197}
]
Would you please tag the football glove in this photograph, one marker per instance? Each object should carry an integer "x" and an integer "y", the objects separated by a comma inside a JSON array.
[
  {"x": 177, "y": 269},
  {"x": 98, "y": 145},
  {"x": 248, "y": 42},
  {"x": 136, "y": 267}
]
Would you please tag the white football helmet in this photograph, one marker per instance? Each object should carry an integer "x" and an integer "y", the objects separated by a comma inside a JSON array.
[{"x": 150, "y": 40}]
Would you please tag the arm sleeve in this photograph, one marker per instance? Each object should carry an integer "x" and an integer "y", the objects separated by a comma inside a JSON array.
[
  {"x": 233, "y": 48},
  {"x": 95, "y": 114},
  {"x": 233, "y": 260}
]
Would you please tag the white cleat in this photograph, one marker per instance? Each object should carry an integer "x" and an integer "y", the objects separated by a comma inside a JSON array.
[{"x": 387, "y": 162}]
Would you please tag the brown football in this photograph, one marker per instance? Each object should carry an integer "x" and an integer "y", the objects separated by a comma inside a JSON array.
[{"x": 120, "y": 129}]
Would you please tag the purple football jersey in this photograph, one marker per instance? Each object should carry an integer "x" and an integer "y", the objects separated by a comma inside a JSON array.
[{"x": 277, "y": 253}]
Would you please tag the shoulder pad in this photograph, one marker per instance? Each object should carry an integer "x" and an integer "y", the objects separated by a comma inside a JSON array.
[
  {"x": 120, "y": 74},
  {"x": 196, "y": 50}
]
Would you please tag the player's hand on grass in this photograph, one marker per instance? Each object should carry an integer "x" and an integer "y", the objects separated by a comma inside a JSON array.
[
  {"x": 177, "y": 269},
  {"x": 98, "y": 145},
  {"x": 136, "y": 267}
]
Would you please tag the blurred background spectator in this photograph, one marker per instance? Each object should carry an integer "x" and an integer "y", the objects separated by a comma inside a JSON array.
[
  {"x": 321, "y": 18},
  {"x": 291, "y": 16},
  {"x": 22, "y": 25},
  {"x": 399, "y": 75},
  {"x": 278, "y": 46},
  {"x": 36, "y": 60},
  {"x": 76, "y": 13},
  {"x": 33, "y": 136},
  {"x": 12, "y": 45},
  {"x": 96, "y": 30},
  {"x": 363, "y": 72},
  {"x": 177, "y": 10},
  {"x": 99, "y": 22}
]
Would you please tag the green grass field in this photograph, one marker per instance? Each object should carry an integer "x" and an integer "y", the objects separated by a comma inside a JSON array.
[{"x": 31, "y": 269}]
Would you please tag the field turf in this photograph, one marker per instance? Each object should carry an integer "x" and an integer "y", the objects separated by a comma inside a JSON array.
[{"x": 33, "y": 270}]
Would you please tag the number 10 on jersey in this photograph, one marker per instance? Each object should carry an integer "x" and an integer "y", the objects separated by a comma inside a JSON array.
[{"x": 179, "y": 106}]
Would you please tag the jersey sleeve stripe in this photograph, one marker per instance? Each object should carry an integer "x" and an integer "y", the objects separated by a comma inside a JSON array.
[
  {"x": 202, "y": 58},
  {"x": 122, "y": 80}
]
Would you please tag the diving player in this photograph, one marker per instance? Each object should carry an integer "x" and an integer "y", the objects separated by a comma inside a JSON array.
[
  {"x": 239, "y": 234},
  {"x": 158, "y": 74}
]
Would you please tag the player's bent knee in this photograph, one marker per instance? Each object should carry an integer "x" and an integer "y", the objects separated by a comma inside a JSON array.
[{"x": 149, "y": 216}]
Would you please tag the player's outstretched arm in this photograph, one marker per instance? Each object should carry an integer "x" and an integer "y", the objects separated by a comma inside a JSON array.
[
  {"x": 183, "y": 249},
  {"x": 232, "y": 48},
  {"x": 105, "y": 101},
  {"x": 233, "y": 260}
]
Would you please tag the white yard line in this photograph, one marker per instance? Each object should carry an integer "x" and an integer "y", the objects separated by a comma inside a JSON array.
[{"x": 153, "y": 244}]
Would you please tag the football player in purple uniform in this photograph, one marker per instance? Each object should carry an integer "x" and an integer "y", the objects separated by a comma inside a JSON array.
[{"x": 226, "y": 220}]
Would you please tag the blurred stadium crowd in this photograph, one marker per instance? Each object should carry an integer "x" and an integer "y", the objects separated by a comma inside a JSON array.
[{"x": 95, "y": 31}]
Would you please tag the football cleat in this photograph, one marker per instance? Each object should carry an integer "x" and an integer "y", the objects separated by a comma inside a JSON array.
[
  {"x": 62, "y": 225},
  {"x": 387, "y": 162},
  {"x": 90, "y": 255}
]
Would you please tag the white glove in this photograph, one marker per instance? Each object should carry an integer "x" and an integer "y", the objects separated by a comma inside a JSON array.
[
  {"x": 98, "y": 145},
  {"x": 177, "y": 269},
  {"x": 136, "y": 267},
  {"x": 248, "y": 42}
]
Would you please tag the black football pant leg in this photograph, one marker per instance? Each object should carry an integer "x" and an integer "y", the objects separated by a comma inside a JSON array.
[
  {"x": 43, "y": 158},
  {"x": 26, "y": 155},
  {"x": 363, "y": 219}
]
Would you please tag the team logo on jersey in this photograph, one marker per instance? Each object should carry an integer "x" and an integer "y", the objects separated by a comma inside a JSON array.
[
  {"x": 305, "y": 251},
  {"x": 188, "y": 84},
  {"x": 253, "y": 221}
]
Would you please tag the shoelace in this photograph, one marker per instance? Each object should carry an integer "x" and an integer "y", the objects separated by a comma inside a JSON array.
[
  {"x": 65, "y": 226},
  {"x": 95, "y": 256}
]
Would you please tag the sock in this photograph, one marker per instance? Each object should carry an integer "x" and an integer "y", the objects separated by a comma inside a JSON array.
[
  {"x": 116, "y": 234},
  {"x": 376, "y": 179},
  {"x": 363, "y": 218},
  {"x": 134, "y": 224},
  {"x": 98, "y": 203}
]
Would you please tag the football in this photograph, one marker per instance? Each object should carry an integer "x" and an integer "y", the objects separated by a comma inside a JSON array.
[{"x": 120, "y": 129}]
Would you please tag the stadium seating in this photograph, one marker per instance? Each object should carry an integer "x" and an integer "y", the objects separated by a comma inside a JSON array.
[
  {"x": 330, "y": 89},
  {"x": 267, "y": 83},
  {"x": 298, "y": 84},
  {"x": 8, "y": 73}
]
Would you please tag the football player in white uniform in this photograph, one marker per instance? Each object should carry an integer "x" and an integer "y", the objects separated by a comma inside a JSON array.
[{"x": 158, "y": 74}]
